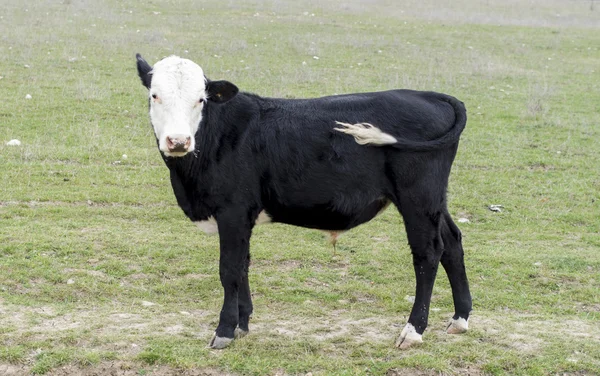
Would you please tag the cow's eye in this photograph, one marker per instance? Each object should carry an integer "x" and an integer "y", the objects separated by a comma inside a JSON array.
[{"x": 154, "y": 96}]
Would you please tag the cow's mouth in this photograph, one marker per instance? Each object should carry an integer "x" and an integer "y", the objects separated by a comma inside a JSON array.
[{"x": 176, "y": 154}]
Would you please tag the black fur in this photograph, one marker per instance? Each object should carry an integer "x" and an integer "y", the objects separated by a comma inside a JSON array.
[
  {"x": 284, "y": 156},
  {"x": 144, "y": 70},
  {"x": 220, "y": 91}
]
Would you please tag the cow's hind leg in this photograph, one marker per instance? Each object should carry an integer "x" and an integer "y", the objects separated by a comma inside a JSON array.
[
  {"x": 422, "y": 221},
  {"x": 454, "y": 264}
]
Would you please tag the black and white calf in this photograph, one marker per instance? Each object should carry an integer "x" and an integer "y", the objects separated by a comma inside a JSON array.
[{"x": 332, "y": 163}]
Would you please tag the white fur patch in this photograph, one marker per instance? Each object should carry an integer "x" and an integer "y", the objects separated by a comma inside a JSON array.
[
  {"x": 457, "y": 326},
  {"x": 177, "y": 97},
  {"x": 365, "y": 133},
  {"x": 409, "y": 337},
  {"x": 210, "y": 226},
  {"x": 263, "y": 217}
]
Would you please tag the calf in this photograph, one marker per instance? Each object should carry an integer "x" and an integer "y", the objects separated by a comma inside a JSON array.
[{"x": 237, "y": 159}]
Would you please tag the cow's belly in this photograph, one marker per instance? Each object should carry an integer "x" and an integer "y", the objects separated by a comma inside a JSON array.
[
  {"x": 317, "y": 217},
  {"x": 210, "y": 225},
  {"x": 324, "y": 218}
]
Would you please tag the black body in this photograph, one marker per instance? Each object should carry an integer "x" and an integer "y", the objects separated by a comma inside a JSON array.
[{"x": 284, "y": 156}]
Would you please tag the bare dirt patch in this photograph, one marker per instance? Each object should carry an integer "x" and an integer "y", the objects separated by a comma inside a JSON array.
[
  {"x": 416, "y": 372},
  {"x": 13, "y": 370},
  {"x": 117, "y": 368},
  {"x": 525, "y": 333},
  {"x": 338, "y": 326},
  {"x": 125, "y": 332}
]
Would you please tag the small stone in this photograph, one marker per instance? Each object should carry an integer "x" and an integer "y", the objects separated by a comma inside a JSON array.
[
  {"x": 409, "y": 298},
  {"x": 70, "y": 281},
  {"x": 537, "y": 263},
  {"x": 28, "y": 96},
  {"x": 13, "y": 142},
  {"x": 316, "y": 57},
  {"x": 463, "y": 220},
  {"x": 496, "y": 208},
  {"x": 147, "y": 304},
  {"x": 124, "y": 156},
  {"x": 186, "y": 313}
]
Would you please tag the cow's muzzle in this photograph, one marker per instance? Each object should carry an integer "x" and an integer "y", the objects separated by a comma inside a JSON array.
[{"x": 178, "y": 143}]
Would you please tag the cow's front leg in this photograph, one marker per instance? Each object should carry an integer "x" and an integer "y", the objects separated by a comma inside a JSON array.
[
  {"x": 234, "y": 237},
  {"x": 244, "y": 303}
]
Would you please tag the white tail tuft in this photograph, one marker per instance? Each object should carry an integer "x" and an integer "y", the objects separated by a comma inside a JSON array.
[{"x": 365, "y": 133}]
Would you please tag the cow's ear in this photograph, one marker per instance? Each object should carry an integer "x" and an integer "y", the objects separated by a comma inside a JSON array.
[
  {"x": 220, "y": 91},
  {"x": 144, "y": 71}
]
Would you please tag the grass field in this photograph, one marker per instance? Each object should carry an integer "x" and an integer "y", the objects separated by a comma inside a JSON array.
[{"x": 101, "y": 273}]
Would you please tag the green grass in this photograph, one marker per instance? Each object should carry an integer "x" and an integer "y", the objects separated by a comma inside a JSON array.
[{"x": 98, "y": 264}]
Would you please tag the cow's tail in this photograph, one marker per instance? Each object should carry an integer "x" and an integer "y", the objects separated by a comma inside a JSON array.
[{"x": 368, "y": 134}]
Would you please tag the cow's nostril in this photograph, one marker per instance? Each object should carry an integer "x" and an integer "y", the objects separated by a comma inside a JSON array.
[{"x": 178, "y": 143}]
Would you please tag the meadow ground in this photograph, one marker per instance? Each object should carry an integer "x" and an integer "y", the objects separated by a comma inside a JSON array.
[{"x": 101, "y": 274}]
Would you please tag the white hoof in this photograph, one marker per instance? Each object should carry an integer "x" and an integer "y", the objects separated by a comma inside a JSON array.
[
  {"x": 409, "y": 337},
  {"x": 219, "y": 342},
  {"x": 239, "y": 333},
  {"x": 457, "y": 326}
]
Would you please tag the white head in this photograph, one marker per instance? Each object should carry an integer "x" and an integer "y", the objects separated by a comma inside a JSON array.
[{"x": 178, "y": 92}]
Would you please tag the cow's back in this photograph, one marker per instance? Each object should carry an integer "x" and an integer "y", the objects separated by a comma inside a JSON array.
[{"x": 411, "y": 114}]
